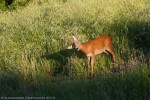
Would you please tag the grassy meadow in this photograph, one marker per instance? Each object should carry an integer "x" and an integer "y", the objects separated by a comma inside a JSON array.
[{"x": 34, "y": 61}]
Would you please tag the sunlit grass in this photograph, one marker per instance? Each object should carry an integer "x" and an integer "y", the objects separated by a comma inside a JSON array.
[{"x": 33, "y": 42}]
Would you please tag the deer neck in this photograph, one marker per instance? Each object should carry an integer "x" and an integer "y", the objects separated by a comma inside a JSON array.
[{"x": 84, "y": 49}]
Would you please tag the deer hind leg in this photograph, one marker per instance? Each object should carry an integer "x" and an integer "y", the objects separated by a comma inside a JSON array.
[{"x": 111, "y": 52}]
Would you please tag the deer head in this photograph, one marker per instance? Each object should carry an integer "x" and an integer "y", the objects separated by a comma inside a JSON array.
[{"x": 75, "y": 43}]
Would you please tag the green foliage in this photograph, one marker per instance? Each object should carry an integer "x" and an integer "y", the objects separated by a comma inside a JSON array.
[
  {"x": 3, "y": 5},
  {"x": 20, "y": 3},
  {"x": 12, "y": 4},
  {"x": 34, "y": 58}
]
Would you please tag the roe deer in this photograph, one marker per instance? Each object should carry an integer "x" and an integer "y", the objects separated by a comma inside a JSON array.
[{"x": 92, "y": 48}]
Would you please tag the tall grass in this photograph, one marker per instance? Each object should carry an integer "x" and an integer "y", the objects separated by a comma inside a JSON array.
[{"x": 34, "y": 41}]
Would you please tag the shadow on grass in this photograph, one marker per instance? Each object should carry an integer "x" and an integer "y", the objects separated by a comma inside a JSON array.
[
  {"x": 130, "y": 86},
  {"x": 62, "y": 60},
  {"x": 137, "y": 33},
  {"x": 11, "y": 80}
]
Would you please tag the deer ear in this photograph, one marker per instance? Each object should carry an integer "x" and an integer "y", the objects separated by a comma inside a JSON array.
[{"x": 74, "y": 39}]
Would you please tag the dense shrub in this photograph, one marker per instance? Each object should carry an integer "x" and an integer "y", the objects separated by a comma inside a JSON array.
[{"x": 3, "y": 5}]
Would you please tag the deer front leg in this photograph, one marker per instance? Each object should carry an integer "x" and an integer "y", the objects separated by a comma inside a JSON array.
[
  {"x": 92, "y": 65},
  {"x": 89, "y": 65}
]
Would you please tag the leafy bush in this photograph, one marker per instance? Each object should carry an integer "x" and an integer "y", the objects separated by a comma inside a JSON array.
[
  {"x": 12, "y": 4},
  {"x": 3, "y": 5}
]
